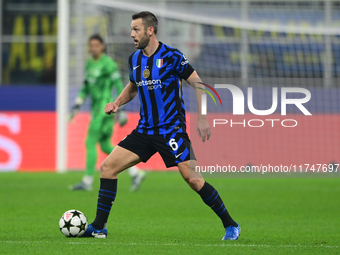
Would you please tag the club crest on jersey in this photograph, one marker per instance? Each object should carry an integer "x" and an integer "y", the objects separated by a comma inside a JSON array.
[
  {"x": 146, "y": 73},
  {"x": 159, "y": 63}
]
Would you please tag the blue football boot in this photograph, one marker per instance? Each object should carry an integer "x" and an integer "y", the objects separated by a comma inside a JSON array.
[
  {"x": 232, "y": 233},
  {"x": 93, "y": 232}
]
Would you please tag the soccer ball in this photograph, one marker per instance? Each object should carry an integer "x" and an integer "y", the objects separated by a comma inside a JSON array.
[{"x": 73, "y": 223}]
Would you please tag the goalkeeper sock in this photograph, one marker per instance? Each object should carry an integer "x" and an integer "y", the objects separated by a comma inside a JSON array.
[
  {"x": 106, "y": 197},
  {"x": 88, "y": 180},
  {"x": 211, "y": 198},
  {"x": 133, "y": 171}
]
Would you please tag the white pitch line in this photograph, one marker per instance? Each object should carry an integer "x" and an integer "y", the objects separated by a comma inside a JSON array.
[{"x": 178, "y": 244}]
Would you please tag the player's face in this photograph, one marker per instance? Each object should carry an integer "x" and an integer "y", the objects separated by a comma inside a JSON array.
[
  {"x": 96, "y": 48},
  {"x": 139, "y": 35}
]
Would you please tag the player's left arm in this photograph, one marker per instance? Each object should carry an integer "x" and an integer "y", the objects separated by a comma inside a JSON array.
[
  {"x": 203, "y": 128},
  {"x": 187, "y": 72}
]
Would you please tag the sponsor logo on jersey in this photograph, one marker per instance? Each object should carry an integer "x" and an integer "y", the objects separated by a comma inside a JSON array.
[
  {"x": 186, "y": 61},
  {"x": 149, "y": 82}
]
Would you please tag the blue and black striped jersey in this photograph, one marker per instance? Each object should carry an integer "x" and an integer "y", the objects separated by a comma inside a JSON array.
[{"x": 159, "y": 82}]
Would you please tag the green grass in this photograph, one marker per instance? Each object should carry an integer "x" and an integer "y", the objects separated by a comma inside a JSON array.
[{"x": 277, "y": 216}]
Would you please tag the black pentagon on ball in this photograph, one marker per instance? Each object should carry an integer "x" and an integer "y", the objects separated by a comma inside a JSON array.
[
  {"x": 76, "y": 213},
  {"x": 68, "y": 225}
]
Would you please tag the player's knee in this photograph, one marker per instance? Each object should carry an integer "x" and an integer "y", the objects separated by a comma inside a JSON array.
[
  {"x": 106, "y": 171},
  {"x": 196, "y": 183},
  {"x": 193, "y": 182},
  {"x": 187, "y": 179},
  {"x": 104, "y": 168}
]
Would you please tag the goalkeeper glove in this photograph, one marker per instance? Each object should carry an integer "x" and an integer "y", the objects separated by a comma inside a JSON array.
[
  {"x": 76, "y": 107},
  {"x": 121, "y": 117}
]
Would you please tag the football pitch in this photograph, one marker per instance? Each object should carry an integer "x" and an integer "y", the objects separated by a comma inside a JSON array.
[{"x": 276, "y": 215}]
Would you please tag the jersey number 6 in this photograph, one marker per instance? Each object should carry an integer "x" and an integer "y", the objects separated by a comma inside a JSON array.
[{"x": 173, "y": 144}]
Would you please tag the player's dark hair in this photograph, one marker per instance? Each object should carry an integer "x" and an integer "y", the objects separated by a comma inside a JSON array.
[
  {"x": 148, "y": 18},
  {"x": 96, "y": 37}
]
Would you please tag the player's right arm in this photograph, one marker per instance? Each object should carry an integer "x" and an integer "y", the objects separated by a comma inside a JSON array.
[{"x": 128, "y": 93}]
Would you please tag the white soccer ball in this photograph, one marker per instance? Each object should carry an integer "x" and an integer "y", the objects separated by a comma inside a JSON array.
[{"x": 73, "y": 223}]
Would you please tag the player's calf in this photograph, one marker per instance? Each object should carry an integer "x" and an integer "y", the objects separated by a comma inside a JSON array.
[
  {"x": 209, "y": 196},
  {"x": 118, "y": 160}
]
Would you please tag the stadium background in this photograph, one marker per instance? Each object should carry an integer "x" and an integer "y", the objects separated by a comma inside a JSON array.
[{"x": 28, "y": 75}]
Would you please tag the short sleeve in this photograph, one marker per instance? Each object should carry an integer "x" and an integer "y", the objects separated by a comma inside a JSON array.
[
  {"x": 182, "y": 66},
  {"x": 130, "y": 68}
]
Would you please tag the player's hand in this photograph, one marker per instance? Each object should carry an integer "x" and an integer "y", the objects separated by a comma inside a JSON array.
[
  {"x": 111, "y": 108},
  {"x": 203, "y": 129},
  {"x": 70, "y": 117},
  {"x": 74, "y": 111}
]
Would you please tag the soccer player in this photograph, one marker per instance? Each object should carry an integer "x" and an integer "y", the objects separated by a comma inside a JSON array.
[
  {"x": 101, "y": 76},
  {"x": 156, "y": 71}
]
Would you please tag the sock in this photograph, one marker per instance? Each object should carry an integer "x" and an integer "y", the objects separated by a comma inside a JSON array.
[
  {"x": 211, "y": 198},
  {"x": 88, "y": 180},
  {"x": 133, "y": 171},
  {"x": 106, "y": 197}
]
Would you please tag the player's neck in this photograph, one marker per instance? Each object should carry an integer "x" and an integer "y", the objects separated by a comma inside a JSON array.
[
  {"x": 151, "y": 47},
  {"x": 95, "y": 58}
]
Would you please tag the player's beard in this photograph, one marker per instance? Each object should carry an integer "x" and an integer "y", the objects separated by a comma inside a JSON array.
[{"x": 143, "y": 42}]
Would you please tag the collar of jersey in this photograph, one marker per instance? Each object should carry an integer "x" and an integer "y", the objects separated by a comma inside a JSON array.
[
  {"x": 156, "y": 51},
  {"x": 101, "y": 56}
]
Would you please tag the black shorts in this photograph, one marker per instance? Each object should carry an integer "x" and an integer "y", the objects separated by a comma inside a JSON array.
[{"x": 174, "y": 148}]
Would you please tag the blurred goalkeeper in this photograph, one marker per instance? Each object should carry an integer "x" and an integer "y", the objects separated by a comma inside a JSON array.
[{"x": 101, "y": 76}]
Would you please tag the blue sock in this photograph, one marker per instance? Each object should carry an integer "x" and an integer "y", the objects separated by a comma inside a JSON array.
[
  {"x": 106, "y": 197},
  {"x": 211, "y": 198}
]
